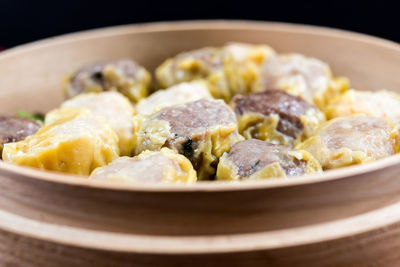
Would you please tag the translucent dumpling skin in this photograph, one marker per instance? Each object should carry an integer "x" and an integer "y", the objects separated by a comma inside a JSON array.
[
  {"x": 381, "y": 103},
  {"x": 175, "y": 95},
  {"x": 245, "y": 71},
  {"x": 77, "y": 143},
  {"x": 164, "y": 166},
  {"x": 302, "y": 76},
  {"x": 352, "y": 140}
]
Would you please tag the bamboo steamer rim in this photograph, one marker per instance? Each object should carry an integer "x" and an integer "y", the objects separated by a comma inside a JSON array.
[
  {"x": 380, "y": 219},
  {"x": 14, "y": 170}
]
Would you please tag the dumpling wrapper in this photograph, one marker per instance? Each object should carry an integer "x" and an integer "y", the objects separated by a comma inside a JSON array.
[
  {"x": 164, "y": 166},
  {"x": 115, "y": 107},
  {"x": 77, "y": 143}
]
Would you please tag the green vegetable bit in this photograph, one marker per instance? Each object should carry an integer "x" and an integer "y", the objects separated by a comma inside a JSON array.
[
  {"x": 188, "y": 150},
  {"x": 36, "y": 116}
]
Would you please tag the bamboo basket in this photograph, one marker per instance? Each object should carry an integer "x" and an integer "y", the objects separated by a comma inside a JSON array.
[{"x": 345, "y": 217}]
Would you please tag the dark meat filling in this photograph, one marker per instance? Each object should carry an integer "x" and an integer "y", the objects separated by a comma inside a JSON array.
[
  {"x": 211, "y": 58},
  {"x": 289, "y": 108},
  {"x": 191, "y": 122},
  {"x": 14, "y": 129},
  {"x": 253, "y": 155},
  {"x": 94, "y": 73},
  {"x": 196, "y": 117}
]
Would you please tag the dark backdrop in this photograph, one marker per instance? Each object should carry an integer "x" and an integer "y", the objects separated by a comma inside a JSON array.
[{"x": 23, "y": 21}]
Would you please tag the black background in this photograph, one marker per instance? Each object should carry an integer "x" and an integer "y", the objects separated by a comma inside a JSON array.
[{"x": 29, "y": 20}]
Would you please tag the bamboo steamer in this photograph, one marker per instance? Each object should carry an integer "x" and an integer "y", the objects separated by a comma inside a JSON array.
[{"x": 344, "y": 217}]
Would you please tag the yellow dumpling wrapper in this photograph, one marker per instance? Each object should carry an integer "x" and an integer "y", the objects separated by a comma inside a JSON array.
[
  {"x": 125, "y": 76},
  {"x": 228, "y": 70},
  {"x": 208, "y": 63},
  {"x": 77, "y": 143},
  {"x": 115, "y": 107},
  {"x": 380, "y": 103},
  {"x": 255, "y": 160},
  {"x": 276, "y": 117},
  {"x": 201, "y": 130}
]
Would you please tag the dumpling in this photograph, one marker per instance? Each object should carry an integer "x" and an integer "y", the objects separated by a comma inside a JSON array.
[
  {"x": 379, "y": 104},
  {"x": 254, "y": 159},
  {"x": 245, "y": 73},
  {"x": 301, "y": 76},
  {"x": 77, "y": 143},
  {"x": 206, "y": 63},
  {"x": 201, "y": 130},
  {"x": 352, "y": 140},
  {"x": 175, "y": 95},
  {"x": 14, "y": 129},
  {"x": 124, "y": 76},
  {"x": 164, "y": 166},
  {"x": 228, "y": 70},
  {"x": 276, "y": 116},
  {"x": 114, "y": 107}
]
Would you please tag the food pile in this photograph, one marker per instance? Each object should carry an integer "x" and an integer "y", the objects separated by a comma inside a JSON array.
[{"x": 236, "y": 112}]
